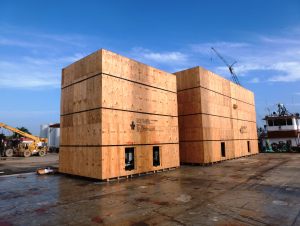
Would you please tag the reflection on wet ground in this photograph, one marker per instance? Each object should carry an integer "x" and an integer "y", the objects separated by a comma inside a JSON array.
[{"x": 259, "y": 190}]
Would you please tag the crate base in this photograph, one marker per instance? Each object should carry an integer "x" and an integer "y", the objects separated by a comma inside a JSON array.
[
  {"x": 139, "y": 174},
  {"x": 216, "y": 162}
]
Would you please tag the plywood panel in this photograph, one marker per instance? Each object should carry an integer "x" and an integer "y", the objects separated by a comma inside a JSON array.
[
  {"x": 117, "y": 65},
  {"x": 82, "y": 69},
  {"x": 126, "y": 95},
  {"x": 244, "y": 130},
  {"x": 216, "y": 128},
  {"x": 213, "y": 82},
  {"x": 113, "y": 159},
  {"x": 148, "y": 129},
  {"x": 191, "y": 128},
  {"x": 187, "y": 79},
  {"x": 82, "y": 161},
  {"x": 81, "y": 128},
  {"x": 242, "y": 147},
  {"x": 212, "y": 151},
  {"x": 191, "y": 152},
  {"x": 109, "y": 101},
  {"x": 213, "y": 110},
  {"x": 82, "y": 96},
  {"x": 189, "y": 101},
  {"x": 240, "y": 93}
]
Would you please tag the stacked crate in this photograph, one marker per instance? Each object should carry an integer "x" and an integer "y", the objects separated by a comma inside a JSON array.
[
  {"x": 118, "y": 117},
  {"x": 217, "y": 119}
]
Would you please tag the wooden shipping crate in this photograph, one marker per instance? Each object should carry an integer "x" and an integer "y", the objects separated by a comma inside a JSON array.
[
  {"x": 118, "y": 117},
  {"x": 217, "y": 119}
]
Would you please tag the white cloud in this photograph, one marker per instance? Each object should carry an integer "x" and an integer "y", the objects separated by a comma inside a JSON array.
[
  {"x": 23, "y": 75},
  {"x": 204, "y": 48},
  {"x": 18, "y": 43},
  {"x": 40, "y": 57},
  {"x": 269, "y": 58},
  {"x": 72, "y": 58},
  {"x": 34, "y": 72},
  {"x": 263, "y": 59},
  {"x": 290, "y": 72},
  {"x": 163, "y": 57},
  {"x": 23, "y": 37},
  {"x": 280, "y": 40}
]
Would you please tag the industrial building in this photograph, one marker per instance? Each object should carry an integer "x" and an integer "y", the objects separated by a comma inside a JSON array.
[
  {"x": 118, "y": 117},
  {"x": 217, "y": 119},
  {"x": 52, "y": 133}
]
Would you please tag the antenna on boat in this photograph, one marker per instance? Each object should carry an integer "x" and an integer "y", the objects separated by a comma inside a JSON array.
[{"x": 282, "y": 109}]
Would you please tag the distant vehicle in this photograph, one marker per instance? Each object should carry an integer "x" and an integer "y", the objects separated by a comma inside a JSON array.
[
  {"x": 282, "y": 131},
  {"x": 22, "y": 146}
]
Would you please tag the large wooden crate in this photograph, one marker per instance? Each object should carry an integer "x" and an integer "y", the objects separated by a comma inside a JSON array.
[
  {"x": 109, "y": 103},
  {"x": 213, "y": 110}
]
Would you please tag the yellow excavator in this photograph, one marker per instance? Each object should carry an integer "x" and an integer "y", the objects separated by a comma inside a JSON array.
[{"x": 38, "y": 145}]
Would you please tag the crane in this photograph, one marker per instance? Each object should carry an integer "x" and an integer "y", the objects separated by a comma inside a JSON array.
[
  {"x": 230, "y": 67},
  {"x": 37, "y": 146}
]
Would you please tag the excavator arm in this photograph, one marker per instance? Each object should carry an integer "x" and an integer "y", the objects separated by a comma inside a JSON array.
[{"x": 35, "y": 138}]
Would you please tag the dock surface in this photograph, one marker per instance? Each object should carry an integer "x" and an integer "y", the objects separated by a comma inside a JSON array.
[{"x": 259, "y": 190}]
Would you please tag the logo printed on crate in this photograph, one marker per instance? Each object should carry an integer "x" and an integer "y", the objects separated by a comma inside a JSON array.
[
  {"x": 243, "y": 129},
  {"x": 143, "y": 125}
]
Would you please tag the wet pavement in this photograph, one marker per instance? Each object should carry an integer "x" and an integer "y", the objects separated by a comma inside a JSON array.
[
  {"x": 16, "y": 165},
  {"x": 260, "y": 190}
]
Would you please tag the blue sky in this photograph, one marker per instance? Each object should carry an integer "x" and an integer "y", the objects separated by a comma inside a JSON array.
[{"x": 39, "y": 38}]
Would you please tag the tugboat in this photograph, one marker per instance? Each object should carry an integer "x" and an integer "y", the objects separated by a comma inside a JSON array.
[{"x": 281, "y": 131}]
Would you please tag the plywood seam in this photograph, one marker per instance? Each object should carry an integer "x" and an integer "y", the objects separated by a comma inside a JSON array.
[
  {"x": 142, "y": 64},
  {"x": 187, "y": 141},
  {"x": 128, "y": 80},
  {"x": 82, "y": 59},
  {"x": 140, "y": 83},
  {"x": 200, "y": 113},
  {"x": 215, "y": 92},
  {"x": 114, "y": 145},
  {"x": 115, "y": 109},
  {"x": 81, "y": 80},
  {"x": 78, "y": 112}
]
